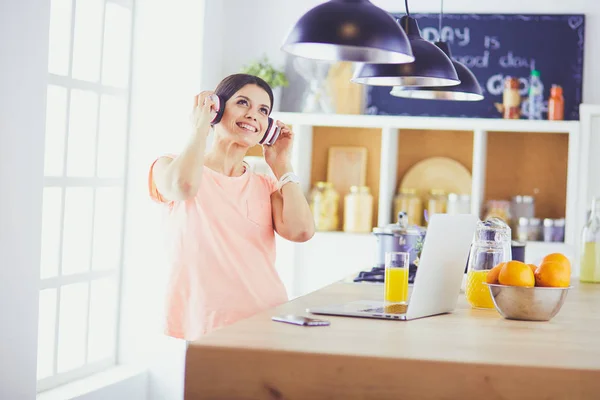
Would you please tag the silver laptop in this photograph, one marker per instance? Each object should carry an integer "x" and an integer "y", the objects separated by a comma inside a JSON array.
[{"x": 439, "y": 275}]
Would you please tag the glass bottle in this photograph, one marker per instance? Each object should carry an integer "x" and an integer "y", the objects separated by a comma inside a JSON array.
[
  {"x": 590, "y": 252},
  {"x": 511, "y": 99},
  {"x": 556, "y": 104},
  {"x": 324, "y": 204},
  {"x": 491, "y": 247},
  {"x": 408, "y": 201}
]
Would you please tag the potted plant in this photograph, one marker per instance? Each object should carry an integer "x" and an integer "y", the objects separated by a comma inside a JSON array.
[{"x": 273, "y": 76}]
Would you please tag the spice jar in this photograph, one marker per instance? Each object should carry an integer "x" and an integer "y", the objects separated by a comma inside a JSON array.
[
  {"x": 409, "y": 202},
  {"x": 324, "y": 201},
  {"x": 511, "y": 99},
  {"x": 556, "y": 104},
  {"x": 358, "y": 210}
]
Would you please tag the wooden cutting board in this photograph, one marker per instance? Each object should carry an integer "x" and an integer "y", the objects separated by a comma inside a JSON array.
[{"x": 438, "y": 173}]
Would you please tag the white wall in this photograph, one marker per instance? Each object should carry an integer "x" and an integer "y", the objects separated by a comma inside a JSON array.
[
  {"x": 23, "y": 71},
  {"x": 166, "y": 75}
]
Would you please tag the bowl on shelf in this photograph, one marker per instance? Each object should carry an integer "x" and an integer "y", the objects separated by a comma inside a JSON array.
[{"x": 528, "y": 303}]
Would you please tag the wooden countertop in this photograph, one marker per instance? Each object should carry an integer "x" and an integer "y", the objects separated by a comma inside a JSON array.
[{"x": 469, "y": 354}]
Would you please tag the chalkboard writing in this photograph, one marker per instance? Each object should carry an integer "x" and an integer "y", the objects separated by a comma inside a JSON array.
[{"x": 494, "y": 47}]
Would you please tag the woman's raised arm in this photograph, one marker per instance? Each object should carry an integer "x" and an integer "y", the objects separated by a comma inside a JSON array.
[{"x": 179, "y": 178}]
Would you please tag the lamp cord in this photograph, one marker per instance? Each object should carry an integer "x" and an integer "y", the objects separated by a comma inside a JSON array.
[
  {"x": 406, "y": 6},
  {"x": 441, "y": 16}
]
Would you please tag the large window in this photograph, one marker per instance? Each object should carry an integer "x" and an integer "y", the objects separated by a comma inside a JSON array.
[{"x": 85, "y": 158}]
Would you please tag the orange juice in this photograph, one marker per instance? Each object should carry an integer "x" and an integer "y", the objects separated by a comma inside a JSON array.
[
  {"x": 396, "y": 285},
  {"x": 476, "y": 291}
]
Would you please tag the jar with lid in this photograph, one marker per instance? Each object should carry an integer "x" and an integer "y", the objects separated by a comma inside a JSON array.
[
  {"x": 491, "y": 247},
  {"x": 535, "y": 230},
  {"x": 437, "y": 202},
  {"x": 324, "y": 204},
  {"x": 407, "y": 200},
  {"x": 358, "y": 210},
  {"x": 459, "y": 203}
]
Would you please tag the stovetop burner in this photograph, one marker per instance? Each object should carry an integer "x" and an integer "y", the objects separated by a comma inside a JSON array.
[{"x": 374, "y": 275}]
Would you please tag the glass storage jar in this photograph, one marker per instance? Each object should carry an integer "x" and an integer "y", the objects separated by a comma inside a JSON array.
[
  {"x": 437, "y": 202},
  {"x": 358, "y": 210},
  {"x": 324, "y": 200},
  {"x": 408, "y": 201}
]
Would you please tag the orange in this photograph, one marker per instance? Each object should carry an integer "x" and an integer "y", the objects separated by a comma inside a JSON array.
[
  {"x": 553, "y": 274},
  {"x": 559, "y": 258},
  {"x": 516, "y": 273},
  {"x": 533, "y": 267},
  {"x": 492, "y": 275}
]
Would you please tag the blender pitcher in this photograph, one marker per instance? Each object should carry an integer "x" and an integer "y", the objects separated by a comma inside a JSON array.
[{"x": 490, "y": 248}]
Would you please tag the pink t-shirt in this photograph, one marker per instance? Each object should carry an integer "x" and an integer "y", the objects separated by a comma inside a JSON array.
[{"x": 221, "y": 245}]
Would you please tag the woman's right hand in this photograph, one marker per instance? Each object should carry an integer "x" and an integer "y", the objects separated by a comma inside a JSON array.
[{"x": 203, "y": 111}]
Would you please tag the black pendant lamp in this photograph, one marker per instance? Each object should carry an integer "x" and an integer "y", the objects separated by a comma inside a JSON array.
[
  {"x": 349, "y": 30},
  {"x": 467, "y": 90},
  {"x": 431, "y": 66}
]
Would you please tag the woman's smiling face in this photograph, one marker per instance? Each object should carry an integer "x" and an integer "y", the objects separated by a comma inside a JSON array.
[{"x": 246, "y": 115}]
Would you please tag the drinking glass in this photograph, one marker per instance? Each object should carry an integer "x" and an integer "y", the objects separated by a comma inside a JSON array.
[{"x": 396, "y": 277}]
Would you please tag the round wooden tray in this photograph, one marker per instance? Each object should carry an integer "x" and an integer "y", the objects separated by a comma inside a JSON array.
[{"x": 438, "y": 173}]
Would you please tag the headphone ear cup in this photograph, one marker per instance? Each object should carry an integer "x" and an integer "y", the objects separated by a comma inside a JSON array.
[
  {"x": 219, "y": 108},
  {"x": 271, "y": 134}
]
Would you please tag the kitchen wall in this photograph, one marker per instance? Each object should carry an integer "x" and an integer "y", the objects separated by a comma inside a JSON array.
[
  {"x": 241, "y": 30},
  {"x": 23, "y": 68}
]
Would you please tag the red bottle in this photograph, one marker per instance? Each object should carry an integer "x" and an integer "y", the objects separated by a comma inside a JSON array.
[{"x": 556, "y": 104}]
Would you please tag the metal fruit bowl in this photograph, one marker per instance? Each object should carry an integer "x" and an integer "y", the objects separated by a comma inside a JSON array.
[{"x": 528, "y": 303}]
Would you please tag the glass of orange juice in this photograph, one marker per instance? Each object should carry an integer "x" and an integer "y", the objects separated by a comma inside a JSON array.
[{"x": 396, "y": 277}]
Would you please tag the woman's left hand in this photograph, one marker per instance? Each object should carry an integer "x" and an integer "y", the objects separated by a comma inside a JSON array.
[{"x": 279, "y": 155}]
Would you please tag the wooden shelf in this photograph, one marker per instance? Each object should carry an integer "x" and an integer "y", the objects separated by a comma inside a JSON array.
[{"x": 505, "y": 157}]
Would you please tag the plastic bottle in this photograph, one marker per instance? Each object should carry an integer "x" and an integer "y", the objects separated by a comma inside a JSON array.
[
  {"x": 536, "y": 95},
  {"x": 556, "y": 104}
]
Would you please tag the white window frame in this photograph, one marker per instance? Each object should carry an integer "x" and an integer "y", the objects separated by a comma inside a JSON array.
[{"x": 64, "y": 182}]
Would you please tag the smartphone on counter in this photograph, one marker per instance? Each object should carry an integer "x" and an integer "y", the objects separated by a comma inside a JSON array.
[{"x": 300, "y": 320}]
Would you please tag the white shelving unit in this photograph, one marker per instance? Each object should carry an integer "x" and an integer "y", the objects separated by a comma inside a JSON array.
[{"x": 391, "y": 126}]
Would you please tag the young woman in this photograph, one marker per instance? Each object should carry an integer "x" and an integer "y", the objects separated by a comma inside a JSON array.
[{"x": 222, "y": 217}]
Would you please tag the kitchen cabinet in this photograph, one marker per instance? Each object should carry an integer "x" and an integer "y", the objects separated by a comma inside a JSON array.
[{"x": 505, "y": 157}]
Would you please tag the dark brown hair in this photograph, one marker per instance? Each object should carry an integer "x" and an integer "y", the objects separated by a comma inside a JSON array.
[{"x": 231, "y": 84}]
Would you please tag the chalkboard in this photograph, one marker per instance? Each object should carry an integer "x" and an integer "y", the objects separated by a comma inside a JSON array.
[{"x": 494, "y": 46}]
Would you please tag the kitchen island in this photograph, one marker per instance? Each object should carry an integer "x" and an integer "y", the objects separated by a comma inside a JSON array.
[{"x": 468, "y": 354}]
